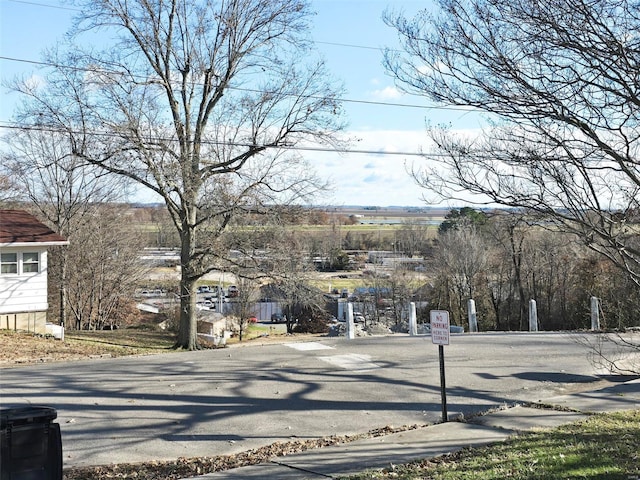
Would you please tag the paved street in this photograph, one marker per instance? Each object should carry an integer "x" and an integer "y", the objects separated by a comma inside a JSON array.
[{"x": 228, "y": 400}]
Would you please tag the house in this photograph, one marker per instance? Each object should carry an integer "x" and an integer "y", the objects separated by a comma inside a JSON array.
[{"x": 23, "y": 270}]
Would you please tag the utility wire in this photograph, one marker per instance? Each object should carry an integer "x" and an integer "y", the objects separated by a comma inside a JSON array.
[
  {"x": 38, "y": 4},
  {"x": 342, "y": 100},
  {"x": 338, "y": 44},
  {"x": 309, "y": 148}
]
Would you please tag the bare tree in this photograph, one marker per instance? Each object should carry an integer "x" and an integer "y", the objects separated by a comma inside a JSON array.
[
  {"x": 461, "y": 260},
  {"x": 105, "y": 268},
  {"x": 399, "y": 288},
  {"x": 292, "y": 270},
  {"x": 65, "y": 191},
  {"x": 244, "y": 304},
  {"x": 9, "y": 190},
  {"x": 559, "y": 80},
  {"x": 508, "y": 233},
  {"x": 412, "y": 238},
  {"x": 200, "y": 102}
]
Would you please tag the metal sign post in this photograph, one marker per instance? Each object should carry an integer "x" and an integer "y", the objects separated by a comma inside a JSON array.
[
  {"x": 440, "y": 328},
  {"x": 443, "y": 387}
]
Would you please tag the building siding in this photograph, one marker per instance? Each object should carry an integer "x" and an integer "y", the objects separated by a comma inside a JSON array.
[{"x": 22, "y": 293}]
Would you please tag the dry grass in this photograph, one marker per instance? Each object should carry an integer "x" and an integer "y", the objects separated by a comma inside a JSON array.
[{"x": 18, "y": 348}]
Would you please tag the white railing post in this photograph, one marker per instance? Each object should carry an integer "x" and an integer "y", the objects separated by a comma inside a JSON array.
[
  {"x": 413, "y": 322},
  {"x": 533, "y": 316},
  {"x": 473, "y": 319},
  {"x": 595, "y": 313},
  {"x": 351, "y": 334}
]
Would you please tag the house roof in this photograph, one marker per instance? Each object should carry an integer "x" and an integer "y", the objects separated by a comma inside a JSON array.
[{"x": 20, "y": 228}]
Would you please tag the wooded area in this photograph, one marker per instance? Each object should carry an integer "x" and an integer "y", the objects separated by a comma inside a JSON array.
[{"x": 162, "y": 109}]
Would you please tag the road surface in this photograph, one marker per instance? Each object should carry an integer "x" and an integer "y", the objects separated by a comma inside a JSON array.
[{"x": 162, "y": 407}]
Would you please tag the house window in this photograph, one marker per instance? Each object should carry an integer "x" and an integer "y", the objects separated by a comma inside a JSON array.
[
  {"x": 8, "y": 263},
  {"x": 30, "y": 262}
]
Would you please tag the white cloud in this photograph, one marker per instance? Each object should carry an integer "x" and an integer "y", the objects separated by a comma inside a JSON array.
[
  {"x": 35, "y": 82},
  {"x": 376, "y": 178},
  {"x": 386, "y": 93}
]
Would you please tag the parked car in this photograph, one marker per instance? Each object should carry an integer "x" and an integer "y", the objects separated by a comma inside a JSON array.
[
  {"x": 253, "y": 319},
  {"x": 278, "y": 317},
  {"x": 206, "y": 305},
  {"x": 232, "y": 291}
]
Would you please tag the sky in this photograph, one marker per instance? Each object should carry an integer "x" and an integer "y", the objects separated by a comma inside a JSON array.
[{"x": 350, "y": 35}]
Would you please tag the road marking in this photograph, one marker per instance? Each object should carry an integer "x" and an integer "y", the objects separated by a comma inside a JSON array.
[
  {"x": 308, "y": 346},
  {"x": 351, "y": 361}
]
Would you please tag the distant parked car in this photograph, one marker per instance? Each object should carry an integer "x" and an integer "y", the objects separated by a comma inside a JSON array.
[
  {"x": 232, "y": 291},
  {"x": 157, "y": 292},
  {"x": 278, "y": 317},
  {"x": 253, "y": 319}
]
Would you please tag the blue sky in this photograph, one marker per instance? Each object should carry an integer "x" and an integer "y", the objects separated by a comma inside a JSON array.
[{"x": 350, "y": 35}]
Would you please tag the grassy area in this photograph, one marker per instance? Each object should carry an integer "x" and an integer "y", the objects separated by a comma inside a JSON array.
[
  {"x": 327, "y": 284},
  {"x": 128, "y": 341},
  {"x": 605, "y": 446},
  {"x": 252, "y": 331}
]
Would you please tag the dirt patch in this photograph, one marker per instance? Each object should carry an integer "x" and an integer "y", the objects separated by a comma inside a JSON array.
[
  {"x": 17, "y": 348},
  {"x": 22, "y": 348}
]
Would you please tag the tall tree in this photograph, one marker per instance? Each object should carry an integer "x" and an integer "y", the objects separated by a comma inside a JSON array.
[
  {"x": 9, "y": 191},
  {"x": 559, "y": 80},
  {"x": 461, "y": 259},
  {"x": 412, "y": 238},
  {"x": 64, "y": 190},
  {"x": 199, "y": 101},
  {"x": 104, "y": 268},
  {"x": 462, "y": 218},
  {"x": 508, "y": 234},
  {"x": 291, "y": 271}
]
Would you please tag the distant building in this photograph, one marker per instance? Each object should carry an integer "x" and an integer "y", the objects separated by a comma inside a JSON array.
[{"x": 23, "y": 270}]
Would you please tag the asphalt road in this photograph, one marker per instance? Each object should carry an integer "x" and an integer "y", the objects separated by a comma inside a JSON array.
[{"x": 223, "y": 401}]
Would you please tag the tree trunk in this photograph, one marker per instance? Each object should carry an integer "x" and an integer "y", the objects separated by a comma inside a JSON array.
[
  {"x": 188, "y": 328},
  {"x": 63, "y": 289}
]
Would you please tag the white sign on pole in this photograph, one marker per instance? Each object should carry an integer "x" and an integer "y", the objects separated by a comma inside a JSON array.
[{"x": 439, "y": 327}]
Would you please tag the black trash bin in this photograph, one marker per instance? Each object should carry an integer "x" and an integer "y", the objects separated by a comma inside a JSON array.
[{"x": 30, "y": 444}]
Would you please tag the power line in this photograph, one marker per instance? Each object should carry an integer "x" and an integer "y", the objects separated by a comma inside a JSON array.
[
  {"x": 349, "y": 45},
  {"x": 71, "y": 9},
  {"x": 343, "y": 100},
  {"x": 38, "y": 4},
  {"x": 309, "y": 148},
  {"x": 335, "y": 44}
]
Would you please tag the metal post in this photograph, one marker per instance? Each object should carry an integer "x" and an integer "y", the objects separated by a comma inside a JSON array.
[{"x": 443, "y": 388}]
